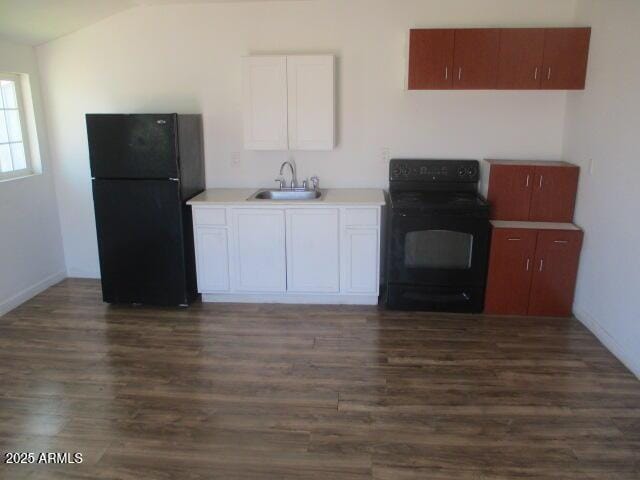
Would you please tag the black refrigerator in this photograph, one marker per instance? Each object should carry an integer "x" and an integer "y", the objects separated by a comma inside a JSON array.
[{"x": 144, "y": 167}]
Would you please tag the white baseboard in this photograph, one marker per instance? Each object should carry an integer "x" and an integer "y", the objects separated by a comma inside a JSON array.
[
  {"x": 327, "y": 299},
  {"x": 631, "y": 361},
  {"x": 30, "y": 292},
  {"x": 77, "y": 273}
]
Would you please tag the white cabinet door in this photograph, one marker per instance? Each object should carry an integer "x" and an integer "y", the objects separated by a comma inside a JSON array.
[
  {"x": 313, "y": 250},
  {"x": 212, "y": 259},
  {"x": 361, "y": 259},
  {"x": 265, "y": 102},
  {"x": 311, "y": 102},
  {"x": 260, "y": 264}
]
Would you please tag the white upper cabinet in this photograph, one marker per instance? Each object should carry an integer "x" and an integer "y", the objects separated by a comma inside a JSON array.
[
  {"x": 289, "y": 102},
  {"x": 265, "y": 103},
  {"x": 310, "y": 82}
]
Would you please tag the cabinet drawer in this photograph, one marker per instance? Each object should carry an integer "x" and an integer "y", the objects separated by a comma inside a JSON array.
[
  {"x": 209, "y": 216},
  {"x": 361, "y": 217}
]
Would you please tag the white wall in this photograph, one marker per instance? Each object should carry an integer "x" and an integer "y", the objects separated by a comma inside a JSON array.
[
  {"x": 31, "y": 255},
  {"x": 603, "y": 124},
  {"x": 186, "y": 58}
]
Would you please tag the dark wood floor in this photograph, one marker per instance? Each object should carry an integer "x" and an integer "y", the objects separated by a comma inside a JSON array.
[{"x": 300, "y": 392}]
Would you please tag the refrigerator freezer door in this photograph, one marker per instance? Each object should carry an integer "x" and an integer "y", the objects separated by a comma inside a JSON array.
[
  {"x": 141, "y": 242},
  {"x": 133, "y": 146}
]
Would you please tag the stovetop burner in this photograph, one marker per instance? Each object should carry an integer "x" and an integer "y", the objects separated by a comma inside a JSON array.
[
  {"x": 435, "y": 185},
  {"x": 437, "y": 201}
]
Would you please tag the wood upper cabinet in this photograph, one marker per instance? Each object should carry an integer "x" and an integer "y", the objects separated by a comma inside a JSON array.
[
  {"x": 536, "y": 191},
  {"x": 475, "y": 58},
  {"x": 555, "y": 273},
  {"x": 431, "y": 59},
  {"x": 505, "y": 59},
  {"x": 510, "y": 269},
  {"x": 532, "y": 268},
  {"x": 554, "y": 192},
  {"x": 566, "y": 53},
  {"x": 520, "y": 59}
]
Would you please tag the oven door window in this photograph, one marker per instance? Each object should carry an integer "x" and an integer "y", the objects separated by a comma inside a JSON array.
[{"x": 441, "y": 249}]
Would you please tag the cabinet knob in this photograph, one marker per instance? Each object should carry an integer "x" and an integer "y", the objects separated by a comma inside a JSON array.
[
  {"x": 541, "y": 264},
  {"x": 460, "y": 73},
  {"x": 549, "y": 74},
  {"x": 535, "y": 74},
  {"x": 446, "y": 73}
]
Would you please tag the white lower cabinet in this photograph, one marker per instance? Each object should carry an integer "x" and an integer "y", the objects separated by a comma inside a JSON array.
[
  {"x": 313, "y": 250},
  {"x": 289, "y": 255},
  {"x": 260, "y": 259},
  {"x": 361, "y": 255},
  {"x": 212, "y": 259}
]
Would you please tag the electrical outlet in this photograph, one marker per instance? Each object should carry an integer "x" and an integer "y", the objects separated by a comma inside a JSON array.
[
  {"x": 235, "y": 159},
  {"x": 385, "y": 155}
]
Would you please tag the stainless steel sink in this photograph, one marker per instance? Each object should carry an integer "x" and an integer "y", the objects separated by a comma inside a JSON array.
[{"x": 285, "y": 194}]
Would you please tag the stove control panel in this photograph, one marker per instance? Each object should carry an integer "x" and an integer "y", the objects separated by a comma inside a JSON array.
[{"x": 434, "y": 171}]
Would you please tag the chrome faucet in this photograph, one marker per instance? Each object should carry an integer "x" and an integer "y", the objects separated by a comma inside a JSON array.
[{"x": 294, "y": 178}]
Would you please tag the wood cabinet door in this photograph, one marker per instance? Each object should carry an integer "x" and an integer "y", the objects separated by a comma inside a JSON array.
[
  {"x": 475, "y": 58},
  {"x": 510, "y": 269},
  {"x": 510, "y": 189},
  {"x": 260, "y": 260},
  {"x": 555, "y": 272},
  {"x": 431, "y": 59},
  {"x": 310, "y": 86},
  {"x": 566, "y": 53},
  {"x": 554, "y": 194},
  {"x": 313, "y": 250},
  {"x": 520, "y": 59},
  {"x": 265, "y": 102}
]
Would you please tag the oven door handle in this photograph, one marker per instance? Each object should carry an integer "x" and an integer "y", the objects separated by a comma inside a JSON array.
[{"x": 437, "y": 297}]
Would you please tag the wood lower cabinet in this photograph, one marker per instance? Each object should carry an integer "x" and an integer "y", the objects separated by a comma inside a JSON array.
[
  {"x": 555, "y": 273},
  {"x": 510, "y": 271},
  {"x": 532, "y": 269},
  {"x": 510, "y": 189},
  {"x": 553, "y": 196},
  {"x": 536, "y": 191}
]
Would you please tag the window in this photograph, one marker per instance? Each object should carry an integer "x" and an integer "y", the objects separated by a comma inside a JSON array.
[{"x": 14, "y": 144}]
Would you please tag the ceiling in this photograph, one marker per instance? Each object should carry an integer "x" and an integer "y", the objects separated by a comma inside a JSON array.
[{"x": 38, "y": 21}]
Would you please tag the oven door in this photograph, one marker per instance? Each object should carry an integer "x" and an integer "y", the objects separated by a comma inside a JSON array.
[{"x": 438, "y": 250}]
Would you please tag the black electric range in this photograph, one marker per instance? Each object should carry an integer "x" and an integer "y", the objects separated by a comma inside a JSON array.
[{"x": 438, "y": 236}]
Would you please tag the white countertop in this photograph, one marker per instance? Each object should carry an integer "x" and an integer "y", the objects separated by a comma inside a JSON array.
[
  {"x": 534, "y": 225},
  {"x": 332, "y": 196}
]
